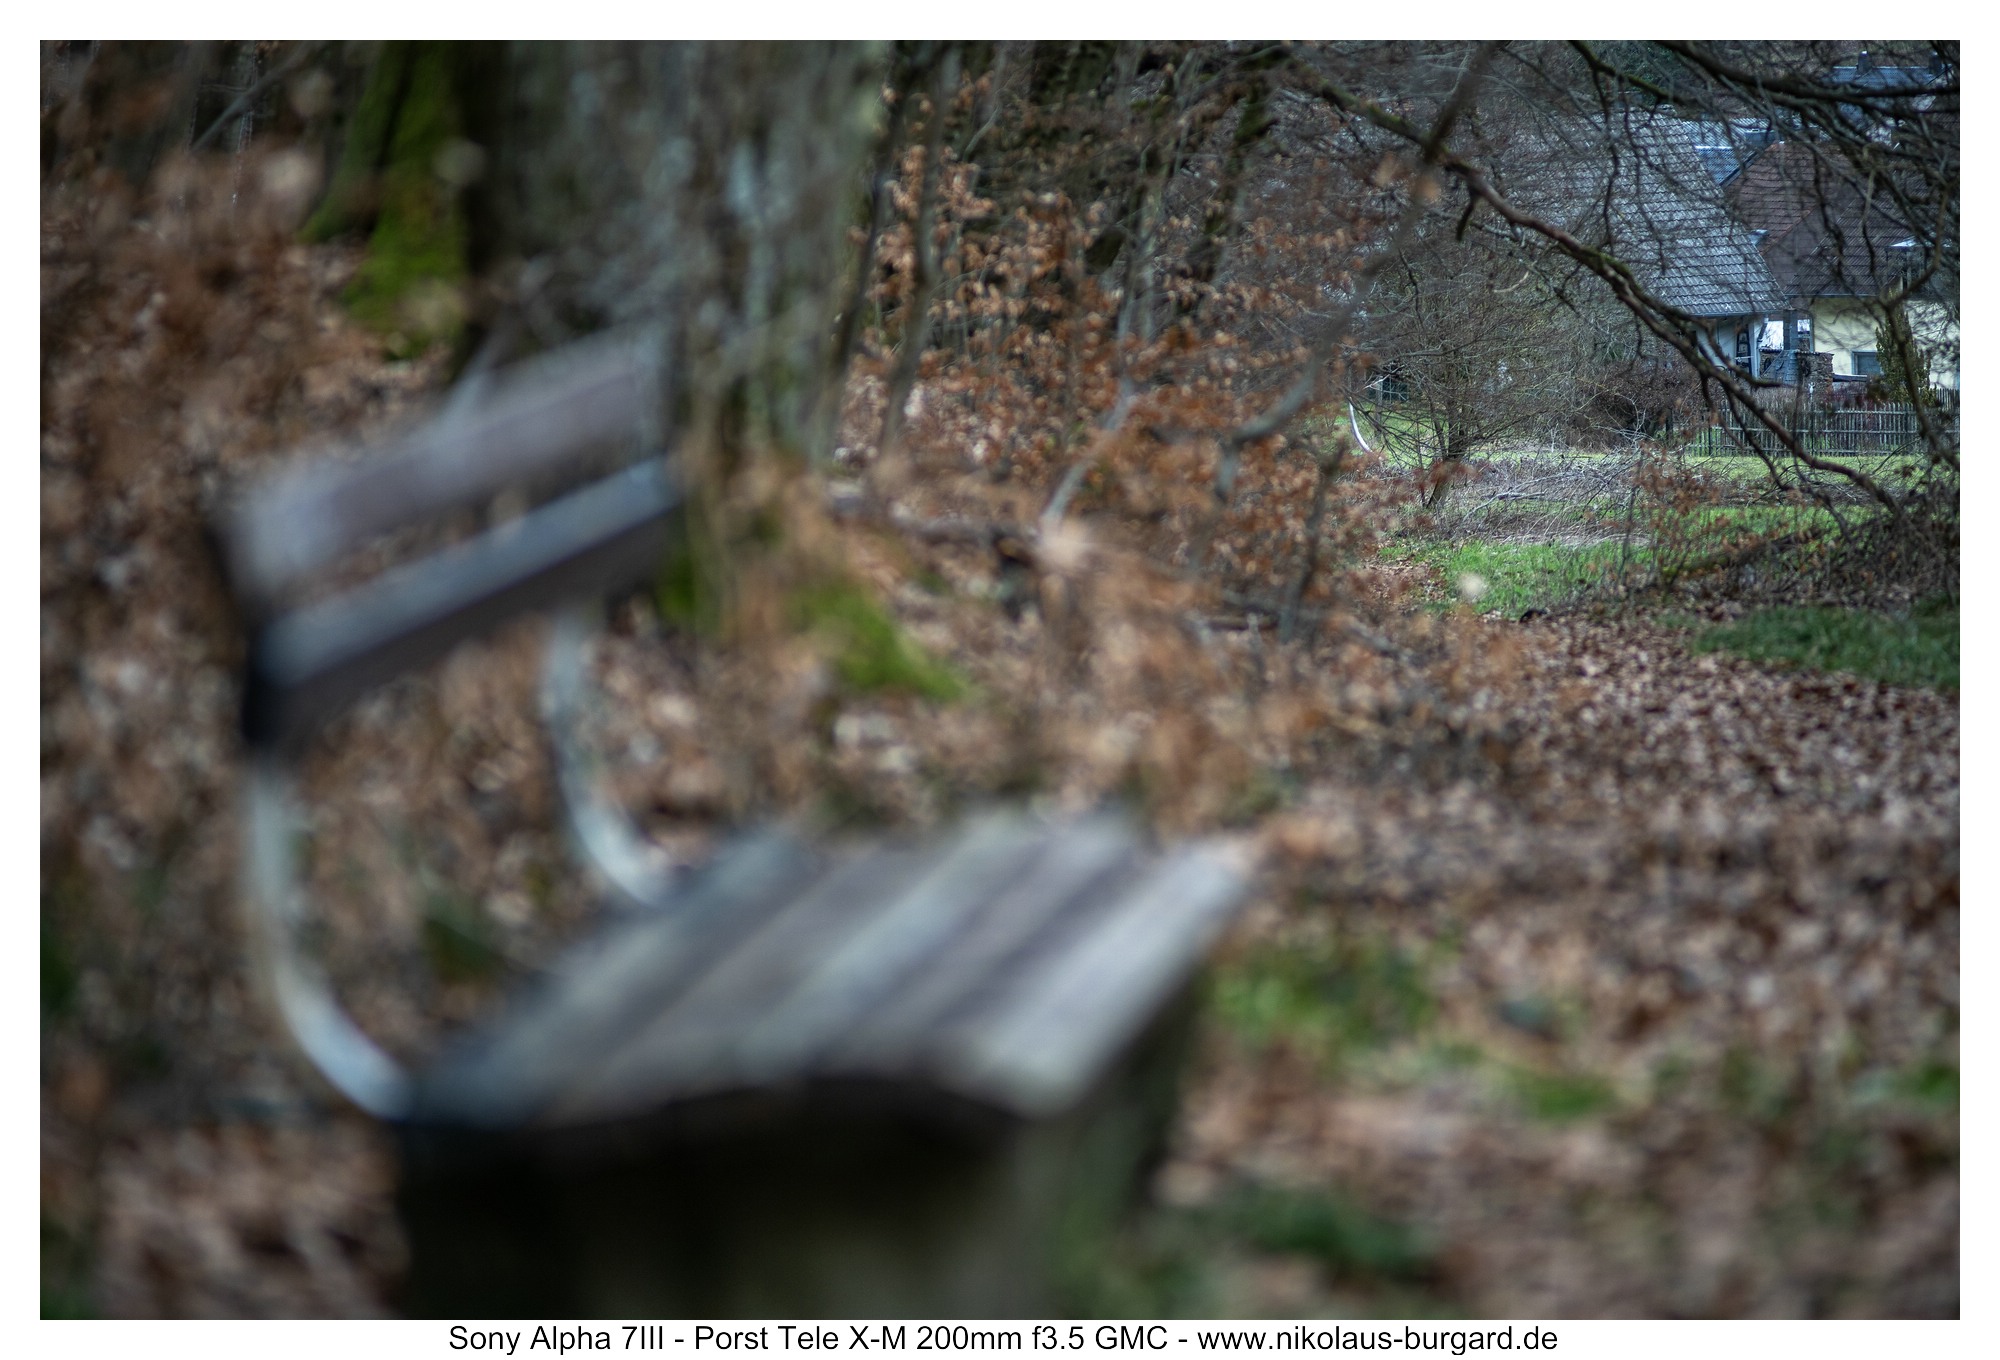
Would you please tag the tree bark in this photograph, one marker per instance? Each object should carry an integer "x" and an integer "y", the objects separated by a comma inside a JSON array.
[
  {"x": 702, "y": 189},
  {"x": 133, "y": 103},
  {"x": 916, "y": 322}
]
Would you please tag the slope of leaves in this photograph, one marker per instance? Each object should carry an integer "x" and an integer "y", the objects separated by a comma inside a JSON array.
[
  {"x": 1585, "y": 977},
  {"x": 1684, "y": 1030}
]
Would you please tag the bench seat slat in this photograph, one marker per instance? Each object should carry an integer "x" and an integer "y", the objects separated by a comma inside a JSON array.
[
  {"x": 1058, "y": 1024},
  {"x": 884, "y": 953},
  {"x": 612, "y": 983},
  {"x": 893, "y": 1036},
  {"x": 691, "y": 1045},
  {"x": 1007, "y": 966}
]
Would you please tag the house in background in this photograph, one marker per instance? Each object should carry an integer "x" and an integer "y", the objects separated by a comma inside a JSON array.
[
  {"x": 1865, "y": 73},
  {"x": 1832, "y": 254},
  {"x": 1661, "y": 210},
  {"x": 1687, "y": 249}
]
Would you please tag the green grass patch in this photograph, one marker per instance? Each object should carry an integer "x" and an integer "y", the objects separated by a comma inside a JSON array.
[
  {"x": 1920, "y": 650},
  {"x": 871, "y": 654},
  {"x": 1900, "y": 468},
  {"x": 1754, "y": 1090},
  {"x": 1345, "y": 1238},
  {"x": 1263, "y": 792},
  {"x": 1334, "y": 1000},
  {"x": 684, "y": 592},
  {"x": 63, "y": 908},
  {"x": 458, "y": 940},
  {"x": 1163, "y": 1262},
  {"x": 1398, "y": 437},
  {"x": 1744, "y": 521},
  {"x": 59, "y": 973},
  {"x": 1521, "y": 576},
  {"x": 1933, "y": 1083},
  {"x": 1747, "y": 467},
  {"x": 1561, "y": 1097},
  {"x": 66, "y": 1264}
]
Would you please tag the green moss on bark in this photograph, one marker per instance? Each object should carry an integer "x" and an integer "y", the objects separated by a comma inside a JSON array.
[
  {"x": 404, "y": 165},
  {"x": 349, "y": 205}
]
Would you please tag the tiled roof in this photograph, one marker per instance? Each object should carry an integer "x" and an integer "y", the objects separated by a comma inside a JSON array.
[
  {"x": 1863, "y": 74},
  {"x": 1651, "y": 203},
  {"x": 1723, "y": 145},
  {"x": 1820, "y": 240}
]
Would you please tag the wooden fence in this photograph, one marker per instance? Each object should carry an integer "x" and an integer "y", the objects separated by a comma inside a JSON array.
[{"x": 1883, "y": 431}]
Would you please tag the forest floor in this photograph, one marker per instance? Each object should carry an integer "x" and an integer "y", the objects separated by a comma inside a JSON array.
[
  {"x": 1668, "y": 1033},
  {"x": 1585, "y": 975}
]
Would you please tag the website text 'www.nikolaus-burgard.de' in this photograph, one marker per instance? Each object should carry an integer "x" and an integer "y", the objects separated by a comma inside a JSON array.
[{"x": 1305, "y": 1337}]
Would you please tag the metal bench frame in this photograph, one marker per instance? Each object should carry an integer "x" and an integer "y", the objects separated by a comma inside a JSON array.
[{"x": 305, "y": 664}]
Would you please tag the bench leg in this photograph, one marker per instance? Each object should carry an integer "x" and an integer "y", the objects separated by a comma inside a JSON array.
[{"x": 837, "y": 1203}]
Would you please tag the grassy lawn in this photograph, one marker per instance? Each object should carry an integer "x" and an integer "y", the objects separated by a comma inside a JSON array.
[
  {"x": 1521, "y": 576},
  {"x": 1889, "y": 469},
  {"x": 1517, "y": 576},
  {"x": 1759, "y": 519},
  {"x": 1918, "y": 649},
  {"x": 1397, "y": 435},
  {"x": 1921, "y": 649}
]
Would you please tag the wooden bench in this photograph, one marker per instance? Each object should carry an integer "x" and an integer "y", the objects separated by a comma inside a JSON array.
[{"x": 906, "y": 1077}]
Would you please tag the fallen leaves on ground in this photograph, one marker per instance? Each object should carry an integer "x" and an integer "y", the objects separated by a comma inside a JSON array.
[{"x": 1693, "y": 961}]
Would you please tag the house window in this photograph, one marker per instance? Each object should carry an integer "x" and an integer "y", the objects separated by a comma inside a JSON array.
[{"x": 1867, "y": 363}]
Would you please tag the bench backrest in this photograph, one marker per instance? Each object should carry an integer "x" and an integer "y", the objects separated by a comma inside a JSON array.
[{"x": 589, "y": 407}]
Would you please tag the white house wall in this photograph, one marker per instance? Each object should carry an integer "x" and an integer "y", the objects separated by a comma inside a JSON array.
[{"x": 1843, "y": 325}]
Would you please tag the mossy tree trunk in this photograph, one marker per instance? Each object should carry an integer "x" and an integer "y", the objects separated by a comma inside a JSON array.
[
  {"x": 708, "y": 188},
  {"x": 402, "y": 170},
  {"x": 703, "y": 188}
]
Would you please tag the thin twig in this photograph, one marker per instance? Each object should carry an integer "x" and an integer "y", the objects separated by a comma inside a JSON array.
[
  {"x": 1280, "y": 413},
  {"x": 243, "y": 102},
  {"x": 916, "y": 321}
]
